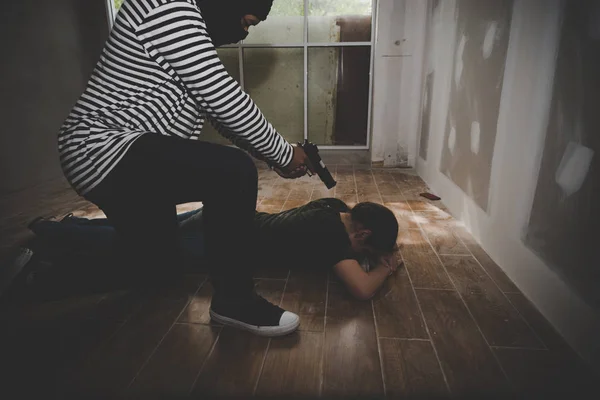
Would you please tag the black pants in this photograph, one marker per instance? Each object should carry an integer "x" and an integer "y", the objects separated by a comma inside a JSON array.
[{"x": 140, "y": 194}]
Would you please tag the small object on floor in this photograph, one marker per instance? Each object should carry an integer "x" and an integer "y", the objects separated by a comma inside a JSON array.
[{"x": 430, "y": 196}]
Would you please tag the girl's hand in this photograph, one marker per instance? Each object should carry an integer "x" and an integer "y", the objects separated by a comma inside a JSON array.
[{"x": 390, "y": 261}]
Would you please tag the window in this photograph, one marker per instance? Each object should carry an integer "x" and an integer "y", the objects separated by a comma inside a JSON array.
[{"x": 309, "y": 72}]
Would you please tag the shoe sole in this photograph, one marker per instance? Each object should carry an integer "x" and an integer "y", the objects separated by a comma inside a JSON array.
[{"x": 269, "y": 331}]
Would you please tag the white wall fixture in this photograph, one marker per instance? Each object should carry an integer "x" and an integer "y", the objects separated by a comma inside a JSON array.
[{"x": 574, "y": 167}]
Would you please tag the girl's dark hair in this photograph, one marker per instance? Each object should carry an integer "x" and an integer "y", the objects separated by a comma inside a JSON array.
[{"x": 382, "y": 223}]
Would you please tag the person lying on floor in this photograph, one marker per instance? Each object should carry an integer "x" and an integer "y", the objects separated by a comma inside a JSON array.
[{"x": 359, "y": 243}]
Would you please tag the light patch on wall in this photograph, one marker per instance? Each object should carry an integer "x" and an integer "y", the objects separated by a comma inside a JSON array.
[
  {"x": 475, "y": 137},
  {"x": 490, "y": 39},
  {"x": 458, "y": 70},
  {"x": 574, "y": 167},
  {"x": 470, "y": 190},
  {"x": 452, "y": 140}
]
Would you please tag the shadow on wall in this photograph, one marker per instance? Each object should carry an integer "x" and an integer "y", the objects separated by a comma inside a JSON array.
[
  {"x": 481, "y": 46},
  {"x": 565, "y": 217}
]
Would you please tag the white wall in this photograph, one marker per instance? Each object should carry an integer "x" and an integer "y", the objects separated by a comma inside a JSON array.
[
  {"x": 398, "y": 64},
  {"x": 522, "y": 124}
]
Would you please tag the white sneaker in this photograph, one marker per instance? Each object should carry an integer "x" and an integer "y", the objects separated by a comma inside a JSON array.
[{"x": 256, "y": 315}]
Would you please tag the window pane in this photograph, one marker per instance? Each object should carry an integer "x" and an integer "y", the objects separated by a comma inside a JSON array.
[
  {"x": 338, "y": 95},
  {"x": 230, "y": 60},
  {"x": 339, "y": 21},
  {"x": 274, "y": 79},
  {"x": 285, "y": 24}
]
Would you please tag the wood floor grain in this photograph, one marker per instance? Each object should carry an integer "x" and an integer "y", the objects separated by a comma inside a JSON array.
[
  {"x": 404, "y": 215},
  {"x": 274, "y": 202},
  {"x": 544, "y": 330},
  {"x": 499, "y": 321},
  {"x": 438, "y": 217},
  {"x": 501, "y": 279},
  {"x": 293, "y": 366},
  {"x": 444, "y": 240},
  {"x": 396, "y": 309},
  {"x": 341, "y": 304},
  {"x": 388, "y": 189},
  {"x": 370, "y": 197},
  {"x": 382, "y": 177},
  {"x": 466, "y": 359},
  {"x": 348, "y": 187},
  {"x": 548, "y": 374},
  {"x": 424, "y": 267},
  {"x": 197, "y": 311},
  {"x": 233, "y": 367},
  {"x": 411, "y": 368},
  {"x": 112, "y": 366},
  {"x": 28, "y": 313},
  {"x": 305, "y": 295},
  {"x": 418, "y": 203},
  {"x": 350, "y": 341},
  {"x": 352, "y": 366},
  {"x": 393, "y": 198},
  {"x": 38, "y": 361},
  {"x": 364, "y": 178},
  {"x": 406, "y": 181},
  {"x": 290, "y": 204},
  {"x": 300, "y": 194},
  {"x": 119, "y": 306},
  {"x": 350, "y": 199},
  {"x": 321, "y": 193},
  {"x": 174, "y": 366}
]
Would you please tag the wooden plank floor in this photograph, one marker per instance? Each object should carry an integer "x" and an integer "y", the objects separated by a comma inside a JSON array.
[{"x": 449, "y": 324}]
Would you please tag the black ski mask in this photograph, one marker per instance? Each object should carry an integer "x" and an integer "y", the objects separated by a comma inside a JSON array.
[{"x": 224, "y": 18}]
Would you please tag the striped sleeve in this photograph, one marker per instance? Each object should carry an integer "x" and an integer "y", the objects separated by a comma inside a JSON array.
[{"x": 175, "y": 35}]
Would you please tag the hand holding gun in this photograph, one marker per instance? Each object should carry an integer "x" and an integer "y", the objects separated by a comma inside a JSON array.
[
  {"x": 306, "y": 160},
  {"x": 317, "y": 164}
]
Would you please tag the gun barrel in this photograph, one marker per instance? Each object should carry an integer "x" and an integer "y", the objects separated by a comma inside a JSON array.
[
  {"x": 327, "y": 179},
  {"x": 312, "y": 152}
]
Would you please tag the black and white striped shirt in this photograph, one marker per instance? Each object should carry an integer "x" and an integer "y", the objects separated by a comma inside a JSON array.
[{"x": 159, "y": 72}]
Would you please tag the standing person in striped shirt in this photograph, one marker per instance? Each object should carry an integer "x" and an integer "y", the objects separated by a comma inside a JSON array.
[{"x": 130, "y": 146}]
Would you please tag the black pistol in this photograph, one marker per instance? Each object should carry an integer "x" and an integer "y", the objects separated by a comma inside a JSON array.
[{"x": 312, "y": 152}]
